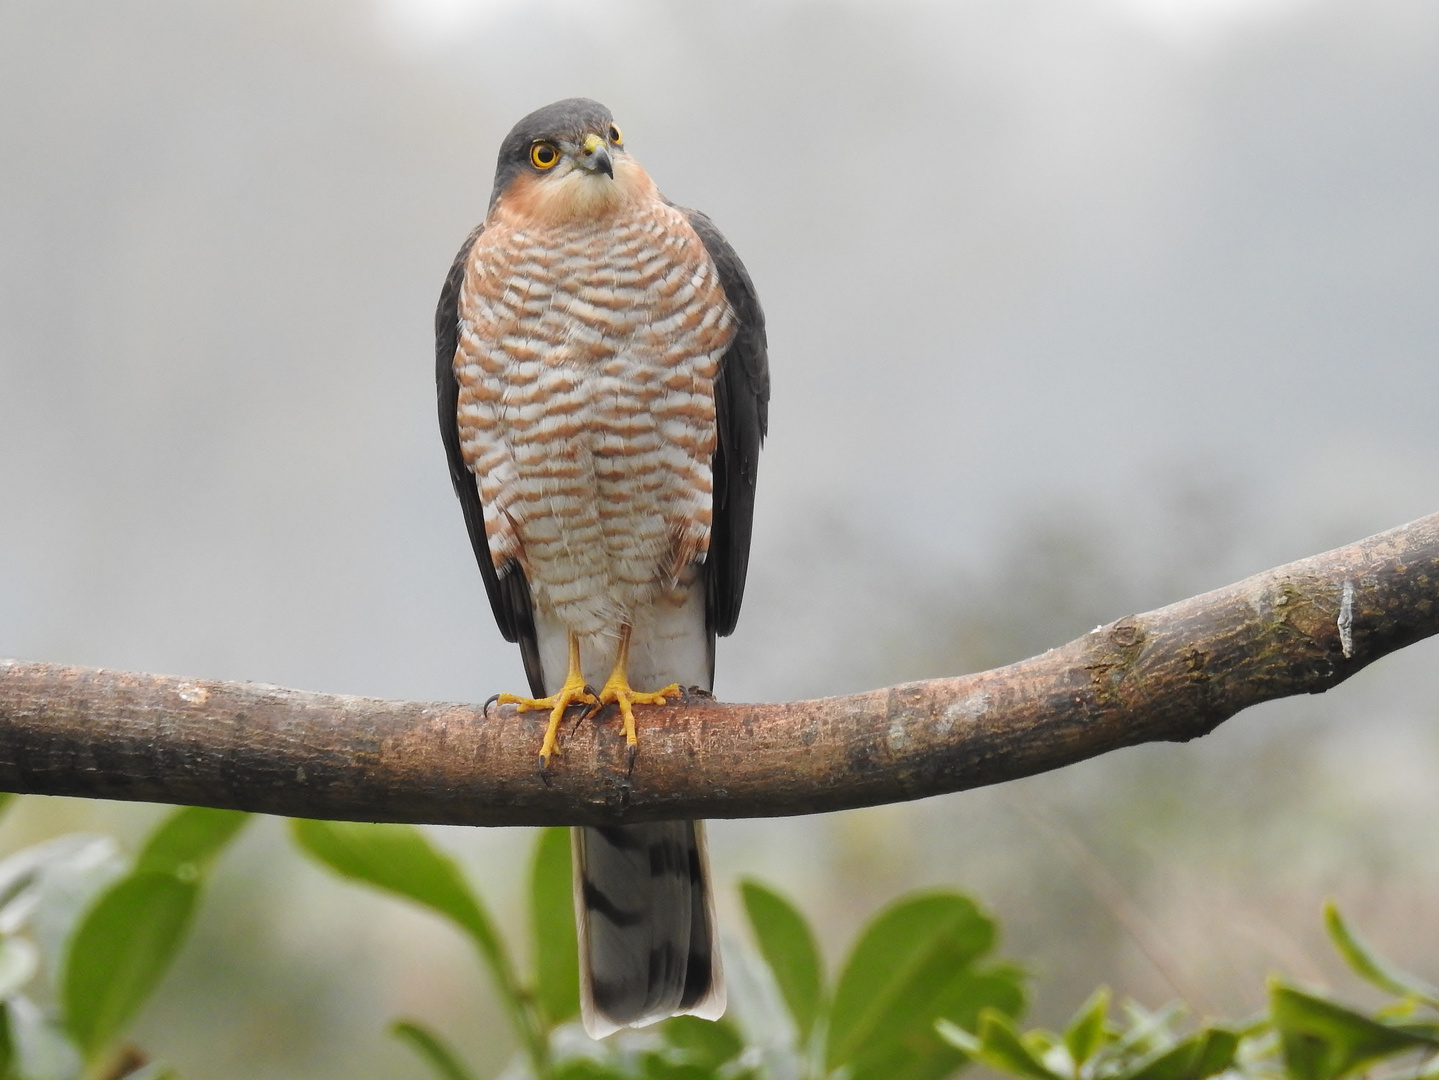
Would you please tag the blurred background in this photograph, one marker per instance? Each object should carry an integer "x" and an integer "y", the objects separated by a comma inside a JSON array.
[{"x": 1076, "y": 307}]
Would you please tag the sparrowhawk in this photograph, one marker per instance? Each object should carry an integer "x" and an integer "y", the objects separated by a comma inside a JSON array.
[{"x": 603, "y": 394}]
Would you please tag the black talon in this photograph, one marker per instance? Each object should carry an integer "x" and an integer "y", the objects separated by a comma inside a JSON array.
[
  {"x": 630, "y": 764},
  {"x": 485, "y": 708},
  {"x": 584, "y": 715},
  {"x": 544, "y": 771},
  {"x": 589, "y": 707}
]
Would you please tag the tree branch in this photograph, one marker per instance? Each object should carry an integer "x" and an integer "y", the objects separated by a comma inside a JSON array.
[{"x": 1171, "y": 674}]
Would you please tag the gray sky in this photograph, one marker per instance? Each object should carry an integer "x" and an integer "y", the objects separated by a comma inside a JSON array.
[{"x": 1013, "y": 255}]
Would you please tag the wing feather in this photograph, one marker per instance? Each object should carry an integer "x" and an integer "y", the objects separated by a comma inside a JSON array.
[
  {"x": 742, "y": 415},
  {"x": 506, "y": 586}
]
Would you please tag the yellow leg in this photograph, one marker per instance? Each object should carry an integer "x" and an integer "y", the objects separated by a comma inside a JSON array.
[
  {"x": 573, "y": 692},
  {"x": 617, "y": 689}
]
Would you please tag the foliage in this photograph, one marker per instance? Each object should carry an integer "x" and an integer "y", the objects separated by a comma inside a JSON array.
[
  {"x": 86, "y": 934},
  {"x": 915, "y": 1000},
  {"x": 1303, "y": 1036},
  {"x": 918, "y": 962}
]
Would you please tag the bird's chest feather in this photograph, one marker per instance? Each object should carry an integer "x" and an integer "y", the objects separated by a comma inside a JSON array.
[{"x": 586, "y": 364}]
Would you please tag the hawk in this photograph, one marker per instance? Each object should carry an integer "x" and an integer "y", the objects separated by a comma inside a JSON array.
[{"x": 603, "y": 394}]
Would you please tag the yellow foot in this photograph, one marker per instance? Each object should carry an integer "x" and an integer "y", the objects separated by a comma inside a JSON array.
[
  {"x": 573, "y": 692},
  {"x": 618, "y": 690}
]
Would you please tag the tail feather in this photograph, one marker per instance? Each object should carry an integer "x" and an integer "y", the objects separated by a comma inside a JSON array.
[{"x": 648, "y": 942}]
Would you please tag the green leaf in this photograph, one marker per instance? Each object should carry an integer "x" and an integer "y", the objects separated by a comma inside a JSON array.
[
  {"x": 1370, "y": 965},
  {"x": 8, "y": 1063},
  {"x": 1217, "y": 1052},
  {"x": 586, "y": 1069},
  {"x": 912, "y": 966},
  {"x": 907, "y": 944},
  {"x": 1085, "y": 1033},
  {"x": 1002, "y": 1048},
  {"x": 552, "y": 910},
  {"x": 1201, "y": 1055},
  {"x": 431, "y": 1048},
  {"x": 1323, "y": 1040},
  {"x": 909, "y": 1047},
  {"x": 659, "y": 1067},
  {"x": 399, "y": 860},
  {"x": 788, "y": 947},
  {"x": 958, "y": 1038},
  {"x": 118, "y": 952},
  {"x": 708, "y": 1043},
  {"x": 188, "y": 841}
]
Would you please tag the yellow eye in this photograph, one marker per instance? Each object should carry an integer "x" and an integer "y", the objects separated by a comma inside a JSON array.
[
  {"x": 615, "y": 136},
  {"x": 543, "y": 155}
]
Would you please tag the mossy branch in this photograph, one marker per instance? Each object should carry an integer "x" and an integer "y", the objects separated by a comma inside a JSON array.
[{"x": 1167, "y": 675}]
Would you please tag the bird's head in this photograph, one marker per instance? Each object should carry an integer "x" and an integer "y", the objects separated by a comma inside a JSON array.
[{"x": 567, "y": 161}]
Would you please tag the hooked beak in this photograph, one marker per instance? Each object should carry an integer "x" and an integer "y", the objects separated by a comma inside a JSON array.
[{"x": 595, "y": 156}]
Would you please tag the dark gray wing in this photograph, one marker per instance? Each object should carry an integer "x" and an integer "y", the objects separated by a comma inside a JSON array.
[
  {"x": 742, "y": 412},
  {"x": 508, "y": 590}
]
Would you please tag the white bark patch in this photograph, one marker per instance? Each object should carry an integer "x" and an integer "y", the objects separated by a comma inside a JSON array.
[
  {"x": 195, "y": 695},
  {"x": 898, "y": 736},
  {"x": 964, "y": 711},
  {"x": 1346, "y": 619}
]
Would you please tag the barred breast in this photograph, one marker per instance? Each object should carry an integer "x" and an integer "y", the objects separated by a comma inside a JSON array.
[{"x": 586, "y": 364}]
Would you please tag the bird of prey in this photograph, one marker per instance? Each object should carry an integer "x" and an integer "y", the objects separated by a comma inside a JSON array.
[{"x": 603, "y": 394}]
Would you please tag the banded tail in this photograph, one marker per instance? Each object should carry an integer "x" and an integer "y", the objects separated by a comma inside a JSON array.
[{"x": 649, "y": 947}]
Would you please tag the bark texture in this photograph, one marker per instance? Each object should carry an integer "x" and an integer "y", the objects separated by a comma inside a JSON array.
[{"x": 1172, "y": 674}]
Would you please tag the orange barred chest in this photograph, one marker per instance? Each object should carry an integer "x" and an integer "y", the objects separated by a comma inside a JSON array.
[{"x": 586, "y": 364}]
